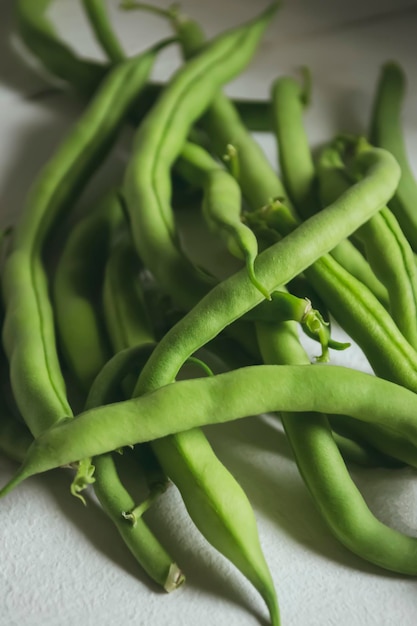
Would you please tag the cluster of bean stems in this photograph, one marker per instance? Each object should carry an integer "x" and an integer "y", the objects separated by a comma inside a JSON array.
[{"x": 126, "y": 307}]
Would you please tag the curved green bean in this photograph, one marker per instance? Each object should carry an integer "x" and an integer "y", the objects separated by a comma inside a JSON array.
[
  {"x": 39, "y": 37},
  {"x": 190, "y": 462},
  {"x": 300, "y": 175},
  {"x": 190, "y": 403},
  {"x": 77, "y": 277},
  {"x": 385, "y": 245},
  {"x": 158, "y": 143},
  {"x": 28, "y": 332},
  {"x": 222, "y": 205},
  {"x": 102, "y": 28},
  {"x": 325, "y": 474}
]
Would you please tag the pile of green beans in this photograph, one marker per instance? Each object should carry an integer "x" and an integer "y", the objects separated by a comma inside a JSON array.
[{"x": 127, "y": 343}]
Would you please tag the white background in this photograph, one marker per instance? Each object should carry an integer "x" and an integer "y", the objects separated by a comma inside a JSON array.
[{"x": 63, "y": 564}]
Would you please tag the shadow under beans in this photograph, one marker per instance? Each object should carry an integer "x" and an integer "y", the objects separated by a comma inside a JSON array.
[
  {"x": 282, "y": 497},
  {"x": 205, "y": 569}
]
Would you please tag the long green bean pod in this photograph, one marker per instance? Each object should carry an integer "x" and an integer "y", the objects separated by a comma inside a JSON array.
[
  {"x": 38, "y": 35},
  {"x": 187, "y": 404},
  {"x": 223, "y": 126},
  {"x": 276, "y": 266},
  {"x": 86, "y": 350},
  {"x": 114, "y": 497},
  {"x": 77, "y": 287},
  {"x": 28, "y": 332},
  {"x": 385, "y": 245},
  {"x": 189, "y": 460},
  {"x": 386, "y": 131},
  {"x": 299, "y": 172},
  {"x": 158, "y": 143},
  {"x": 103, "y": 30},
  {"x": 222, "y": 205},
  {"x": 325, "y": 474}
]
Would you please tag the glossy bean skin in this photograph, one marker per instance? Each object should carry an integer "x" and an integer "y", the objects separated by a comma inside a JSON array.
[
  {"x": 28, "y": 332},
  {"x": 324, "y": 472},
  {"x": 386, "y": 131}
]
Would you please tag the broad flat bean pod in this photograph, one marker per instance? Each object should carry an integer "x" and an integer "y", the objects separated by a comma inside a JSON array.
[{"x": 28, "y": 332}]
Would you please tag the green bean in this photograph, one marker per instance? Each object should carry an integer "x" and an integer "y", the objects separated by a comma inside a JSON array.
[
  {"x": 325, "y": 474},
  {"x": 276, "y": 266},
  {"x": 385, "y": 245},
  {"x": 39, "y": 37},
  {"x": 114, "y": 498},
  {"x": 397, "y": 450},
  {"x": 192, "y": 465},
  {"x": 222, "y": 205},
  {"x": 157, "y": 144},
  {"x": 28, "y": 333},
  {"x": 82, "y": 339},
  {"x": 190, "y": 403},
  {"x": 359, "y": 452},
  {"x": 289, "y": 99},
  {"x": 101, "y": 26},
  {"x": 15, "y": 437},
  {"x": 127, "y": 318},
  {"x": 300, "y": 176},
  {"x": 223, "y": 126},
  {"x": 386, "y": 131},
  {"x": 78, "y": 274}
]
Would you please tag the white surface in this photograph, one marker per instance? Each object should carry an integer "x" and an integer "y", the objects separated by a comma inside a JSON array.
[{"x": 63, "y": 564}]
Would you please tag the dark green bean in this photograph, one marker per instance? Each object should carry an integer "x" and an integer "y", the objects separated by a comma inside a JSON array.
[
  {"x": 300, "y": 176},
  {"x": 39, "y": 37}
]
